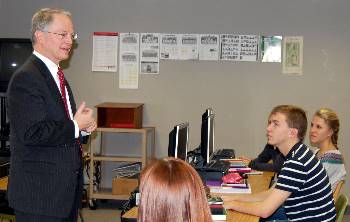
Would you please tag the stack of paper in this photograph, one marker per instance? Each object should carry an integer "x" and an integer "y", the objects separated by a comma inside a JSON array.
[
  {"x": 230, "y": 189},
  {"x": 239, "y": 170},
  {"x": 239, "y": 166}
]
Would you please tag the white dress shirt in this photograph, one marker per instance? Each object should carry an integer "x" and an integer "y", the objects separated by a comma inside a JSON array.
[{"x": 53, "y": 68}]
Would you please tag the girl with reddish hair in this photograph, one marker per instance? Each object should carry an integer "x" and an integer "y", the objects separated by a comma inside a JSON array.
[{"x": 172, "y": 191}]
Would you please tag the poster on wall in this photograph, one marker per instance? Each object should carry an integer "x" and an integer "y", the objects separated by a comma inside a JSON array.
[
  {"x": 271, "y": 48},
  {"x": 209, "y": 47},
  {"x": 169, "y": 46},
  {"x": 292, "y": 55},
  {"x": 229, "y": 47},
  {"x": 239, "y": 47},
  {"x": 188, "y": 47},
  {"x": 149, "y": 53},
  {"x": 129, "y": 61},
  {"x": 248, "y": 48},
  {"x": 105, "y": 51}
]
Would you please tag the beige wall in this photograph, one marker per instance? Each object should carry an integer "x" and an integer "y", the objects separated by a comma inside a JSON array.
[{"x": 241, "y": 93}]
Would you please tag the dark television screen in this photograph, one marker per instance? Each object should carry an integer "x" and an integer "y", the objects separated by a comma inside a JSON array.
[{"x": 13, "y": 53}]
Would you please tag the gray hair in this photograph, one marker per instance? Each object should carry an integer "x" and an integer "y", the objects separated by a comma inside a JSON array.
[{"x": 43, "y": 18}]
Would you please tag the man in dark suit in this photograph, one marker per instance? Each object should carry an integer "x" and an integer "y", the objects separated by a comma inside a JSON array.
[{"x": 45, "y": 180}]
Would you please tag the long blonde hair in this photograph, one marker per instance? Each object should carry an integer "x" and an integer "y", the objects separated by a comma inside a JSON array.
[{"x": 332, "y": 120}]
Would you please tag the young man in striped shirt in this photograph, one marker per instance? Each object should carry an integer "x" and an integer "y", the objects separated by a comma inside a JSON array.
[{"x": 302, "y": 186}]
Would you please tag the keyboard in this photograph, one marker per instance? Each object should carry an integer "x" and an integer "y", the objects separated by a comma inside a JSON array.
[
  {"x": 217, "y": 165},
  {"x": 224, "y": 154}
]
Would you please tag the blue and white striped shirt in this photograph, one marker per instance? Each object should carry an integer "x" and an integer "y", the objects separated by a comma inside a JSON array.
[{"x": 304, "y": 176}]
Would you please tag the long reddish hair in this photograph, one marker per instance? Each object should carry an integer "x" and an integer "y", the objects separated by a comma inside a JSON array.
[{"x": 172, "y": 191}]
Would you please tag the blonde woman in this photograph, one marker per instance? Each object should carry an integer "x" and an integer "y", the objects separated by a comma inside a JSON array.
[{"x": 324, "y": 135}]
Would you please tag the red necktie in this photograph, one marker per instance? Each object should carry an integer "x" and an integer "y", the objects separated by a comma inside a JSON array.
[{"x": 64, "y": 98}]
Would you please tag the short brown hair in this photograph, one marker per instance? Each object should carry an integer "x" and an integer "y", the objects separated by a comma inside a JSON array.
[
  {"x": 172, "y": 191},
  {"x": 295, "y": 118},
  {"x": 332, "y": 120}
]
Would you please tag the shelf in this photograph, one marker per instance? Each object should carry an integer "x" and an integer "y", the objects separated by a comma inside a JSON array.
[
  {"x": 124, "y": 130},
  {"x": 117, "y": 158},
  {"x": 106, "y": 193},
  {"x": 147, "y": 153}
]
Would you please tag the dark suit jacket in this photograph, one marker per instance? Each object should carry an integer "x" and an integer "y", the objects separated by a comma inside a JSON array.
[{"x": 45, "y": 158}]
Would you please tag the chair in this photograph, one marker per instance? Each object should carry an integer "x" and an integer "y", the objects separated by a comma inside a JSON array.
[
  {"x": 337, "y": 190},
  {"x": 340, "y": 207}
]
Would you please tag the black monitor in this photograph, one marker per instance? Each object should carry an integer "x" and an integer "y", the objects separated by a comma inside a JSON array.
[
  {"x": 207, "y": 138},
  {"x": 13, "y": 53},
  {"x": 205, "y": 116},
  {"x": 178, "y": 141},
  {"x": 207, "y": 113}
]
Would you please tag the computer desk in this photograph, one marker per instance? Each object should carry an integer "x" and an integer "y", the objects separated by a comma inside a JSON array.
[
  {"x": 3, "y": 183},
  {"x": 258, "y": 183}
]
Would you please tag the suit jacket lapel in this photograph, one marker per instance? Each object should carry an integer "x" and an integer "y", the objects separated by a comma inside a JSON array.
[
  {"x": 44, "y": 71},
  {"x": 71, "y": 98}
]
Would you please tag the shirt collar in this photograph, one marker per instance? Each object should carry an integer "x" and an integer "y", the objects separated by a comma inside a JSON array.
[
  {"x": 53, "y": 68},
  {"x": 291, "y": 153}
]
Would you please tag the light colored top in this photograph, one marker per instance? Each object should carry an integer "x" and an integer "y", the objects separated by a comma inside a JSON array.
[{"x": 333, "y": 162}]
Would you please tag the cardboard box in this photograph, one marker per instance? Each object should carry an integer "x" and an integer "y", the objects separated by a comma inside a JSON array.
[{"x": 124, "y": 186}]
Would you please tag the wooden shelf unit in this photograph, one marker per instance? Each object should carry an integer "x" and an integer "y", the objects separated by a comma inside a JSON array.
[{"x": 147, "y": 152}]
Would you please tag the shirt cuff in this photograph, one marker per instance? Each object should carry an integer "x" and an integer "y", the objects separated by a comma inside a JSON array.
[
  {"x": 76, "y": 129},
  {"x": 84, "y": 133}
]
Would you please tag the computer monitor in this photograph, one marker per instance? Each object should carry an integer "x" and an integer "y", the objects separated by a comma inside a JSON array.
[
  {"x": 207, "y": 113},
  {"x": 207, "y": 138},
  {"x": 13, "y": 53},
  {"x": 178, "y": 141}
]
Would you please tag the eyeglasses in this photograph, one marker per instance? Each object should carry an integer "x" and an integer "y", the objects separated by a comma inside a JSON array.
[{"x": 73, "y": 35}]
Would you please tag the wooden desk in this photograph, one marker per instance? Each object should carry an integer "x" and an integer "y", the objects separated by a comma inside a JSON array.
[
  {"x": 3, "y": 183},
  {"x": 258, "y": 183},
  {"x": 131, "y": 214}
]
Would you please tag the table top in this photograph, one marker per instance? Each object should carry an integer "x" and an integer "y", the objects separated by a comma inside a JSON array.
[{"x": 258, "y": 183}]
